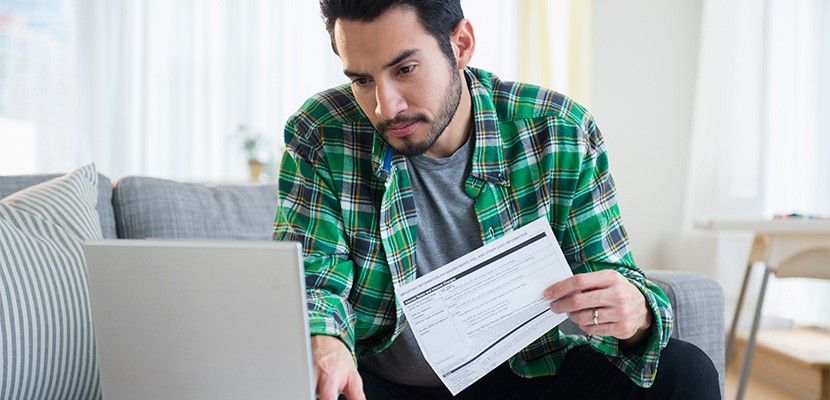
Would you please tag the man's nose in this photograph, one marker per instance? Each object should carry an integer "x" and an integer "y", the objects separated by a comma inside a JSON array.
[{"x": 390, "y": 102}]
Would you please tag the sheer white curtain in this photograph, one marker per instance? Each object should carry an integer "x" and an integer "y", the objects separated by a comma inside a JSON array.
[
  {"x": 797, "y": 135},
  {"x": 496, "y": 26},
  {"x": 760, "y": 145},
  {"x": 164, "y": 84},
  {"x": 797, "y": 148}
]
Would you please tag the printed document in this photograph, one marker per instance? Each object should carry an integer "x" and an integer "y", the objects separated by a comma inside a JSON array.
[{"x": 474, "y": 313}]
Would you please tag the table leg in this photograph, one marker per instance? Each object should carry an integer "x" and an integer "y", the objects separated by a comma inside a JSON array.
[
  {"x": 730, "y": 341},
  {"x": 750, "y": 344}
]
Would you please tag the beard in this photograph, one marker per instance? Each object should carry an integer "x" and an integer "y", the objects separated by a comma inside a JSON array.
[{"x": 449, "y": 105}]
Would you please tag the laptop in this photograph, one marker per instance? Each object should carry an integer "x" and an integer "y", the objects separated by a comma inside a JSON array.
[{"x": 204, "y": 320}]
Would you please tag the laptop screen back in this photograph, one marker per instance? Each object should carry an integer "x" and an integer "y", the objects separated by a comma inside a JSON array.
[{"x": 200, "y": 320}]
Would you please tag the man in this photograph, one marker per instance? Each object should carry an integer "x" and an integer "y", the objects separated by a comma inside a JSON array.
[{"x": 421, "y": 159}]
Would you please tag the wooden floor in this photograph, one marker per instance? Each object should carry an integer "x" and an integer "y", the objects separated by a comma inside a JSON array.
[
  {"x": 787, "y": 365},
  {"x": 757, "y": 390}
]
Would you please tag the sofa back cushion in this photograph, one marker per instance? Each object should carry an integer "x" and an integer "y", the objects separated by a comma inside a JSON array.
[
  {"x": 158, "y": 208},
  {"x": 47, "y": 347},
  {"x": 14, "y": 183}
]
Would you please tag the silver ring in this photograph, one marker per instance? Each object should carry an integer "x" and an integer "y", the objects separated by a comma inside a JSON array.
[{"x": 596, "y": 317}]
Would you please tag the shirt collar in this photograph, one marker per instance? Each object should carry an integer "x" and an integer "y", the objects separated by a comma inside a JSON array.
[{"x": 488, "y": 156}]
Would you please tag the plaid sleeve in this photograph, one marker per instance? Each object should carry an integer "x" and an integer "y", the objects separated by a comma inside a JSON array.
[
  {"x": 596, "y": 239},
  {"x": 309, "y": 213}
]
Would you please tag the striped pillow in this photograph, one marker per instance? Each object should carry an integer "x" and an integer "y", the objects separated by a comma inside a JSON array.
[{"x": 47, "y": 349}]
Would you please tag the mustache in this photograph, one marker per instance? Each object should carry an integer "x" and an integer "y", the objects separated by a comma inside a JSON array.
[{"x": 402, "y": 119}]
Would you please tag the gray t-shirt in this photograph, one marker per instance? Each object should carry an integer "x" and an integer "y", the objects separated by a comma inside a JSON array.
[{"x": 447, "y": 229}]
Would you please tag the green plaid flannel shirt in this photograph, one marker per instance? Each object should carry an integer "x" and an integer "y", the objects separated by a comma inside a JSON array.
[{"x": 347, "y": 197}]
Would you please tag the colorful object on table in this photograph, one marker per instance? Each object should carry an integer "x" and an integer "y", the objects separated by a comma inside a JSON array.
[{"x": 800, "y": 216}]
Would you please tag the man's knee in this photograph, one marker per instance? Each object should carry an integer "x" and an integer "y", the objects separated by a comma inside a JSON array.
[{"x": 687, "y": 371}]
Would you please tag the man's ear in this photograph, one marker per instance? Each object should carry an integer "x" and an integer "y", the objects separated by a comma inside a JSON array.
[{"x": 463, "y": 41}]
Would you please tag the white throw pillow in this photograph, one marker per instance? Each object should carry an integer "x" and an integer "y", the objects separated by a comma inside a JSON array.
[{"x": 47, "y": 347}]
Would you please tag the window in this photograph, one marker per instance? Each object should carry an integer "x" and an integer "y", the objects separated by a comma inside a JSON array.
[{"x": 37, "y": 88}]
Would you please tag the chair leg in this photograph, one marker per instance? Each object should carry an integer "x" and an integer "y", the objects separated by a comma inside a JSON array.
[
  {"x": 750, "y": 344},
  {"x": 730, "y": 340}
]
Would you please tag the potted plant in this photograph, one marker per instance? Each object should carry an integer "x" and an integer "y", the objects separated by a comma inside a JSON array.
[{"x": 251, "y": 143}]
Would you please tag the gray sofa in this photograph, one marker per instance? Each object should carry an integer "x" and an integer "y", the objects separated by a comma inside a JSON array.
[{"x": 143, "y": 207}]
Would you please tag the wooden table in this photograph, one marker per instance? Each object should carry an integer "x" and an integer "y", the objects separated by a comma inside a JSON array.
[{"x": 774, "y": 242}]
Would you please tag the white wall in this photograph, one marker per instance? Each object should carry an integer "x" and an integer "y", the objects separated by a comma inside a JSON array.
[{"x": 644, "y": 71}]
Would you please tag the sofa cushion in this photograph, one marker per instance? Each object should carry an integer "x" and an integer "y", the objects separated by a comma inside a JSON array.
[
  {"x": 159, "y": 208},
  {"x": 47, "y": 348},
  {"x": 14, "y": 183}
]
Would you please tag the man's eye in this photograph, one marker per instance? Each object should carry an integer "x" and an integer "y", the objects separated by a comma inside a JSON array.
[
  {"x": 360, "y": 81},
  {"x": 407, "y": 69}
]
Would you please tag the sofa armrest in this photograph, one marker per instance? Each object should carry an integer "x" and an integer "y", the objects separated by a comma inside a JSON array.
[{"x": 697, "y": 302}]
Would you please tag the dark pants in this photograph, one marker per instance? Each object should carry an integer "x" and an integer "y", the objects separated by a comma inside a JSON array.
[{"x": 684, "y": 372}]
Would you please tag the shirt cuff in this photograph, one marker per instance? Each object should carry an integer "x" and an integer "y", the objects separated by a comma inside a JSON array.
[
  {"x": 640, "y": 364},
  {"x": 331, "y": 316}
]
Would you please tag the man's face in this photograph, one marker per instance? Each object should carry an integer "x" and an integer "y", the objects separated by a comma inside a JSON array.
[{"x": 400, "y": 78}]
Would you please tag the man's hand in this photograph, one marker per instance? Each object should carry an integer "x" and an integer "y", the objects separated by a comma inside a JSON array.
[
  {"x": 334, "y": 369},
  {"x": 620, "y": 307}
]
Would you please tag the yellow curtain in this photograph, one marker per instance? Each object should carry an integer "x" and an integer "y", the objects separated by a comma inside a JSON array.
[
  {"x": 539, "y": 51},
  {"x": 535, "y": 62},
  {"x": 579, "y": 51}
]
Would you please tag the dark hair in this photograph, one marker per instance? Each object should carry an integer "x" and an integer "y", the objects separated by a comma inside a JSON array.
[{"x": 438, "y": 17}]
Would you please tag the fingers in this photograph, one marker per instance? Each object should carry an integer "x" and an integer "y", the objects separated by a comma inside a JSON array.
[
  {"x": 327, "y": 390},
  {"x": 621, "y": 329},
  {"x": 328, "y": 384},
  {"x": 581, "y": 283},
  {"x": 334, "y": 370},
  {"x": 354, "y": 388},
  {"x": 622, "y": 310},
  {"x": 622, "y": 320},
  {"x": 351, "y": 386},
  {"x": 586, "y": 302},
  {"x": 585, "y": 318}
]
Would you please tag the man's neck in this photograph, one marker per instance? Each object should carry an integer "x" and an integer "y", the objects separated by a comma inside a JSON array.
[{"x": 457, "y": 132}]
